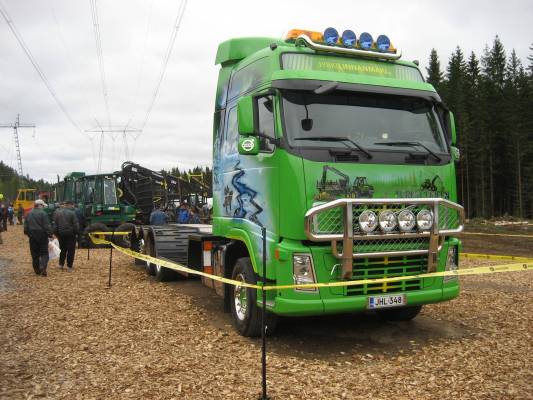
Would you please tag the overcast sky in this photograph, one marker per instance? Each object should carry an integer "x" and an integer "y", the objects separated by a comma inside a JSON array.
[{"x": 135, "y": 35}]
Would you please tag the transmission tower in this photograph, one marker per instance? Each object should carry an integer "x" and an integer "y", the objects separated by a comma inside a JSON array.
[
  {"x": 15, "y": 126},
  {"x": 102, "y": 132}
]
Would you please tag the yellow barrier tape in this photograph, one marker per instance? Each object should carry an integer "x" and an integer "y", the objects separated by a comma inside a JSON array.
[
  {"x": 110, "y": 233},
  {"x": 526, "y": 266},
  {"x": 495, "y": 257},
  {"x": 495, "y": 234}
]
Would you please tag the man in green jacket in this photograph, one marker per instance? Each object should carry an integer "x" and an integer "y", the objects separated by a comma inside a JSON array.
[{"x": 37, "y": 228}]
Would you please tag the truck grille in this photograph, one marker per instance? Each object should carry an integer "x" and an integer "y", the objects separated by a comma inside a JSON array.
[{"x": 387, "y": 267}]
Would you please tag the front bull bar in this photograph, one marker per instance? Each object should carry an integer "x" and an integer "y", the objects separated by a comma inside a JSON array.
[{"x": 435, "y": 233}]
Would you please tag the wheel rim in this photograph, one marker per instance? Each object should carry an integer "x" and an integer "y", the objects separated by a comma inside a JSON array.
[
  {"x": 158, "y": 268},
  {"x": 240, "y": 298}
]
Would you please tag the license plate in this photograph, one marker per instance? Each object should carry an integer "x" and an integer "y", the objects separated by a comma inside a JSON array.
[{"x": 391, "y": 300}]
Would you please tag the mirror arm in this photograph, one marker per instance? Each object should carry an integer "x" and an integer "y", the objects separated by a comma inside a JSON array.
[{"x": 274, "y": 141}]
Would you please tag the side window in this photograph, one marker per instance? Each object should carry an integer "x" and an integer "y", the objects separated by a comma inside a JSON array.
[
  {"x": 231, "y": 137},
  {"x": 265, "y": 124}
]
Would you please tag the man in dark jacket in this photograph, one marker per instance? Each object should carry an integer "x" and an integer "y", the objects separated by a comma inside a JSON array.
[
  {"x": 37, "y": 228},
  {"x": 3, "y": 216},
  {"x": 66, "y": 227}
]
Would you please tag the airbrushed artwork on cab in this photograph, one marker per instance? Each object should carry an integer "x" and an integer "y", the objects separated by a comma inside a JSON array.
[
  {"x": 239, "y": 186},
  {"x": 339, "y": 185},
  {"x": 244, "y": 205},
  {"x": 336, "y": 184}
]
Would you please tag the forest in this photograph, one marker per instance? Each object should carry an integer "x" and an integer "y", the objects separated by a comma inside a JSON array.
[
  {"x": 491, "y": 96},
  {"x": 10, "y": 181}
]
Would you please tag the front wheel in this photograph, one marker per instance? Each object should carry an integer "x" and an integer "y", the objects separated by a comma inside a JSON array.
[
  {"x": 400, "y": 314},
  {"x": 244, "y": 310}
]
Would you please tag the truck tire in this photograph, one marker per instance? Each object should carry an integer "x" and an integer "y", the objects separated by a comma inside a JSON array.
[
  {"x": 163, "y": 274},
  {"x": 150, "y": 251},
  {"x": 400, "y": 314},
  {"x": 87, "y": 242},
  {"x": 124, "y": 241},
  {"x": 137, "y": 244},
  {"x": 245, "y": 313}
]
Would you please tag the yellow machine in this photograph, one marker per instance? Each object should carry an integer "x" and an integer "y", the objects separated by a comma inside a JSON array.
[{"x": 26, "y": 197}]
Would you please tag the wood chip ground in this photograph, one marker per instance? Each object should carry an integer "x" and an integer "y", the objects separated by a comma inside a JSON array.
[{"x": 67, "y": 336}]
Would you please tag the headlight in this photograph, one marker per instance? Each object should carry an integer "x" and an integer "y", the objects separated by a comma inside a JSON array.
[
  {"x": 451, "y": 263},
  {"x": 302, "y": 266},
  {"x": 387, "y": 221},
  {"x": 368, "y": 221},
  {"x": 406, "y": 220},
  {"x": 424, "y": 220}
]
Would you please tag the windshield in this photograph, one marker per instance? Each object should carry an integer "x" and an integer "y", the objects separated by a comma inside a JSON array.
[
  {"x": 372, "y": 121},
  {"x": 110, "y": 191}
]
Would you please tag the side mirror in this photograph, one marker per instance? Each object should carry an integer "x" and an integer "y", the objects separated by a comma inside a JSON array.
[
  {"x": 451, "y": 125},
  {"x": 245, "y": 116},
  {"x": 248, "y": 145}
]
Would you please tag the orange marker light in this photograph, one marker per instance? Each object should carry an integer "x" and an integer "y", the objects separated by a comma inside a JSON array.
[{"x": 293, "y": 34}]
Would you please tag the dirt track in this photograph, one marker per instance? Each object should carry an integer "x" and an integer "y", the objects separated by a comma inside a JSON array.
[{"x": 68, "y": 337}]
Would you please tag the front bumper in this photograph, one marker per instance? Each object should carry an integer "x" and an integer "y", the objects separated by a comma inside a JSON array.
[{"x": 353, "y": 255}]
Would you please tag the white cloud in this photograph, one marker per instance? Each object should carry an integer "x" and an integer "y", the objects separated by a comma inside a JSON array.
[{"x": 179, "y": 130}]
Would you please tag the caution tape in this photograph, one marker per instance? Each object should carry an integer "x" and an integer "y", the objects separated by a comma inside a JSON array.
[
  {"x": 496, "y": 234},
  {"x": 495, "y": 257},
  {"x": 522, "y": 266}
]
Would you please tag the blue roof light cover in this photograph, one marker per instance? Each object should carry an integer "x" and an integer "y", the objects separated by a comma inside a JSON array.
[
  {"x": 365, "y": 41},
  {"x": 383, "y": 43},
  {"x": 331, "y": 36},
  {"x": 348, "y": 38}
]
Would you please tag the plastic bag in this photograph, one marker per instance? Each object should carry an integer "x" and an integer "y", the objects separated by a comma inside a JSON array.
[{"x": 53, "y": 249}]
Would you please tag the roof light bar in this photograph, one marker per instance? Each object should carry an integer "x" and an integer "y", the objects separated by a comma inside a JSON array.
[{"x": 304, "y": 40}]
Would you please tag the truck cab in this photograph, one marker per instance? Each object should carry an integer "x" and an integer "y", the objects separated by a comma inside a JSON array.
[{"x": 327, "y": 143}]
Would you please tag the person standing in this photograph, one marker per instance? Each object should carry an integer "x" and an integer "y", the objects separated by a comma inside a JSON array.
[
  {"x": 158, "y": 217},
  {"x": 3, "y": 216},
  {"x": 66, "y": 228},
  {"x": 20, "y": 213},
  {"x": 10, "y": 214},
  {"x": 37, "y": 228}
]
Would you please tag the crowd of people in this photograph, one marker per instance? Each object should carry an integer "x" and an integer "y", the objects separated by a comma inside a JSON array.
[
  {"x": 8, "y": 215},
  {"x": 65, "y": 227}
]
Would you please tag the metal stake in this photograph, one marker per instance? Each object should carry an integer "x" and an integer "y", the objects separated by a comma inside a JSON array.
[
  {"x": 111, "y": 259},
  {"x": 263, "y": 322}
]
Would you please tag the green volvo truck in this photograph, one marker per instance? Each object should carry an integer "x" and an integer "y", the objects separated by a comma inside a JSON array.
[{"x": 328, "y": 142}]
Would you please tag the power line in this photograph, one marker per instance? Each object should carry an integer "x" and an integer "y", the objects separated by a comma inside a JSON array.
[
  {"x": 141, "y": 68},
  {"x": 99, "y": 53},
  {"x": 41, "y": 74},
  {"x": 168, "y": 53}
]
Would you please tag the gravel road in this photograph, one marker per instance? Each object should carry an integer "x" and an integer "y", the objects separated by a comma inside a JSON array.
[{"x": 67, "y": 336}]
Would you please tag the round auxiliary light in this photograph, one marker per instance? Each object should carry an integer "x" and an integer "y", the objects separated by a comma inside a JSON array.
[
  {"x": 365, "y": 40},
  {"x": 406, "y": 220},
  {"x": 387, "y": 221},
  {"x": 368, "y": 221},
  {"x": 331, "y": 36},
  {"x": 424, "y": 220},
  {"x": 383, "y": 43},
  {"x": 348, "y": 38}
]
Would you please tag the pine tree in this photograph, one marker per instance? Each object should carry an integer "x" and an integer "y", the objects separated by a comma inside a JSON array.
[{"x": 434, "y": 72}]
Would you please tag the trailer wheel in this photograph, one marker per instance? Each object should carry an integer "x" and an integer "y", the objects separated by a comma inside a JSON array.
[
  {"x": 86, "y": 242},
  {"x": 124, "y": 241},
  {"x": 244, "y": 310},
  {"x": 400, "y": 314},
  {"x": 149, "y": 250}
]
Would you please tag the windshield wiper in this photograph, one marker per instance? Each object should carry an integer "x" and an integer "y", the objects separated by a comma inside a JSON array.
[
  {"x": 412, "y": 144},
  {"x": 337, "y": 139}
]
